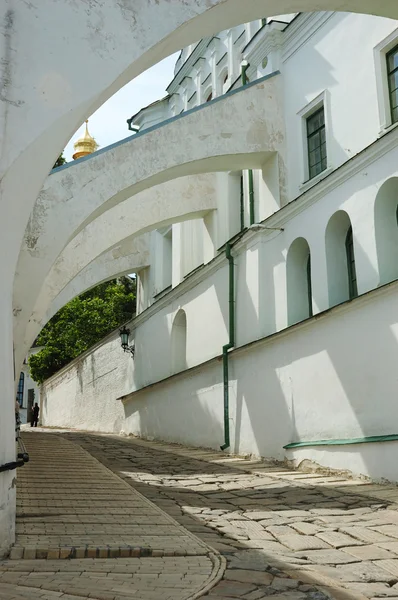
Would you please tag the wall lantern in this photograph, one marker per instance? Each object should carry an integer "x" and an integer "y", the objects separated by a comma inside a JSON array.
[{"x": 124, "y": 337}]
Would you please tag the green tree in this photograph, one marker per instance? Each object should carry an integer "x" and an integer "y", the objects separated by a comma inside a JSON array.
[
  {"x": 81, "y": 323},
  {"x": 61, "y": 160}
]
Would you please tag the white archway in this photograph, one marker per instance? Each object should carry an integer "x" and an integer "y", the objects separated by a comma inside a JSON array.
[
  {"x": 173, "y": 201},
  {"x": 129, "y": 257},
  {"x": 236, "y": 131}
]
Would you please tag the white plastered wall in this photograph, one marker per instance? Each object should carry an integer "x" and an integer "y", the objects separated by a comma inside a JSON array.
[{"x": 42, "y": 105}]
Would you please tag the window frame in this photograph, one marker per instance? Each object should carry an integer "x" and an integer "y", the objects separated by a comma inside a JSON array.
[
  {"x": 307, "y": 111},
  {"x": 323, "y": 161},
  {"x": 351, "y": 266},
  {"x": 394, "y": 50},
  {"x": 380, "y": 52}
]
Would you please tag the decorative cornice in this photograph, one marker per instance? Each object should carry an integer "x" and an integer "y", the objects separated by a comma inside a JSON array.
[
  {"x": 187, "y": 66},
  {"x": 302, "y": 29},
  {"x": 270, "y": 40}
]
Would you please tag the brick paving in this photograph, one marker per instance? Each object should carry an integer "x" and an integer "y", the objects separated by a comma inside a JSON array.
[
  {"x": 286, "y": 534},
  {"x": 82, "y": 532},
  {"x": 169, "y": 518}
]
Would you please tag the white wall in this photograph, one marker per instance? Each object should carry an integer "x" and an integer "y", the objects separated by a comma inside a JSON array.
[
  {"x": 338, "y": 58},
  {"x": 83, "y": 395},
  {"x": 319, "y": 380}
]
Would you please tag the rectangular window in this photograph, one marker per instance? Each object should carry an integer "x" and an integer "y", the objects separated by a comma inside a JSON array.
[
  {"x": 316, "y": 140},
  {"x": 392, "y": 73}
]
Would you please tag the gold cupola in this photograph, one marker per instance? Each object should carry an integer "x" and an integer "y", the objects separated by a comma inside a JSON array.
[{"x": 84, "y": 145}]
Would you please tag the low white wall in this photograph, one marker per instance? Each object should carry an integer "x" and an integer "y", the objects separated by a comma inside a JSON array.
[
  {"x": 83, "y": 395},
  {"x": 333, "y": 376}
]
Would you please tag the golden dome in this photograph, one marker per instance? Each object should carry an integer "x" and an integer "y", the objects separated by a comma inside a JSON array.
[{"x": 84, "y": 145}]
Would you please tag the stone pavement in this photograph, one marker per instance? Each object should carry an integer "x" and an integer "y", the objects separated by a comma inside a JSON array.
[
  {"x": 286, "y": 534},
  {"x": 119, "y": 545}
]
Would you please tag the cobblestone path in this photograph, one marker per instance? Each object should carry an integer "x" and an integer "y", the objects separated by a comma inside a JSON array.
[
  {"x": 286, "y": 534},
  {"x": 83, "y": 533}
]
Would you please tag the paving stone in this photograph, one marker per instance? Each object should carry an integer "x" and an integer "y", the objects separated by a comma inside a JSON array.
[
  {"x": 365, "y": 534},
  {"x": 337, "y": 539},
  {"x": 246, "y": 576},
  {"x": 325, "y": 557},
  {"x": 390, "y": 565},
  {"x": 302, "y": 542},
  {"x": 371, "y": 590},
  {"x": 371, "y": 552},
  {"x": 305, "y": 528},
  {"x": 389, "y": 530},
  {"x": 234, "y": 589},
  {"x": 364, "y": 571}
]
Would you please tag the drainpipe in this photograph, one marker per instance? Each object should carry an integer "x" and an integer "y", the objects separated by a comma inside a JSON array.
[
  {"x": 244, "y": 66},
  {"x": 242, "y": 205},
  {"x": 230, "y": 345}
]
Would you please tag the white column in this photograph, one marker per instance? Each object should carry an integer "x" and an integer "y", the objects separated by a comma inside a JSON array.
[
  {"x": 198, "y": 85},
  {"x": 209, "y": 236},
  {"x": 213, "y": 66},
  {"x": 177, "y": 255},
  {"x": 7, "y": 411},
  {"x": 230, "y": 44}
]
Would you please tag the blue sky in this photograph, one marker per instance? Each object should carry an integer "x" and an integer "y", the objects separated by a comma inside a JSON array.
[{"x": 108, "y": 123}]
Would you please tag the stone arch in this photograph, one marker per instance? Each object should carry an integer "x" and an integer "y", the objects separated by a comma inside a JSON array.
[
  {"x": 182, "y": 199},
  {"x": 129, "y": 257},
  {"x": 298, "y": 281},
  {"x": 386, "y": 230},
  {"x": 179, "y": 342},
  {"x": 337, "y": 241},
  {"x": 80, "y": 193}
]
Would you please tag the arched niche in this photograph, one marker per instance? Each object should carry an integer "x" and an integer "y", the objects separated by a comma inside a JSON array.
[
  {"x": 298, "y": 281},
  {"x": 179, "y": 342},
  {"x": 340, "y": 258},
  {"x": 386, "y": 230}
]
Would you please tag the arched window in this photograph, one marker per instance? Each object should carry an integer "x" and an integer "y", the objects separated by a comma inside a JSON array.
[
  {"x": 351, "y": 270},
  {"x": 340, "y": 259},
  {"x": 386, "y": 230},
  {"x": 298, "y": 282},
  {"x": 20, "y": 388},
  {"x": 179, "y": 342},
  {"x": 209, "y": 97}
]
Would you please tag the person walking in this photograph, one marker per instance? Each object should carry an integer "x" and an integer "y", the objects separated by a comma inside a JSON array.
[{"x": 35, "y": 416}]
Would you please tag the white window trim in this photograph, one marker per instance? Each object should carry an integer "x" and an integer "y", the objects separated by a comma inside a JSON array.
[
  {"x": 321, "y": 100},
  {"x": 383, "y": 93}
]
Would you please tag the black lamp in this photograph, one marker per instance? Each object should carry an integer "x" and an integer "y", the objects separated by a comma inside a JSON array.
[{"x": 124, "y": 337}]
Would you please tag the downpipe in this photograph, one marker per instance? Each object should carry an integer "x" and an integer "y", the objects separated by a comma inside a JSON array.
[{"x": 231, "y": 343}]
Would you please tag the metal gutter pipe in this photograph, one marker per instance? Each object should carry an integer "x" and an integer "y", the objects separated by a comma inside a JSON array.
[{"x": 231, "y": 343}]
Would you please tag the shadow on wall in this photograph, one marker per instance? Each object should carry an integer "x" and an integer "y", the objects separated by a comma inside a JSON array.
[{"x": 180, "y": 409}]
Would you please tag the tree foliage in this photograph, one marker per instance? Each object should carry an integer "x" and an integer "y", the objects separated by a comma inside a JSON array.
[
  {"x": 82, "y": 323},
  {"x": 61, "y": 160}
]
